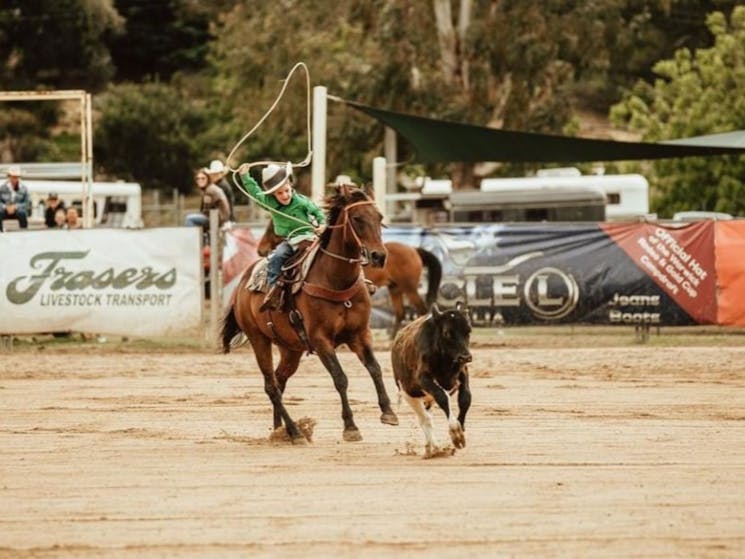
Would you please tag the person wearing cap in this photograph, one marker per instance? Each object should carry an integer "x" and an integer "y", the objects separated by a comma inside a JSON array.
[
  {"x": 53, "y": 203},
  {"x": 14, "y": 199},
  {"x": 216, "y": 172},
  {"x": 212, "y": 198},
  {"x": 295, "y": 218}
]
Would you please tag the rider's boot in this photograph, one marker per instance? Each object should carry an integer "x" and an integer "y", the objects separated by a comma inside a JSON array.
[{"x": 273, "y": 299}]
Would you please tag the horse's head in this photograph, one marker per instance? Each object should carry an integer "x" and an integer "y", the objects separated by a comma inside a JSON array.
[{"x": 353, "y": 215}]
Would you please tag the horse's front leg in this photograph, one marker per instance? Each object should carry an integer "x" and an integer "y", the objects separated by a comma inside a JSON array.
[
  {"x": 331, "y": 362},
  {"x": 363, "y": 350},
  {"x": 288, "y": 364}
]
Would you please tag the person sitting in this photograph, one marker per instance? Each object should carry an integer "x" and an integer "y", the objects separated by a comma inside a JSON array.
[
  {"x": 53, "y": 204},
  {"x": 14, "y": 199},
  {"x": 295, "y": 217},
  {"x": 212, "y": 198}
]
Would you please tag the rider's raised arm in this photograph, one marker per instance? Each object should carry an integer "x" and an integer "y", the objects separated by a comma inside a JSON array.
[{"x": 254, "y": 189}]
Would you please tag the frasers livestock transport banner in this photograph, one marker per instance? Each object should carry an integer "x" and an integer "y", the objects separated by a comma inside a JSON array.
[
  {"x": 107, "y": 281},
  {"x": 607, "y": 273}
]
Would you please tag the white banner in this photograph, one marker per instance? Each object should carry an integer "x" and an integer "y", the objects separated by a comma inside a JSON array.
[{"x": 107, "y": 281}]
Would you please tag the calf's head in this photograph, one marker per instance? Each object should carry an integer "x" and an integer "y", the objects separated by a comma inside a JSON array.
[{"x": 452, "y": 333}]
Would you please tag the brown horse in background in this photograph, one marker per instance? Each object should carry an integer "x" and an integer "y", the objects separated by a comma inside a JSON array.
[
  {"x": 335, "y": 306},
  {"x": 401, "y": 274}
]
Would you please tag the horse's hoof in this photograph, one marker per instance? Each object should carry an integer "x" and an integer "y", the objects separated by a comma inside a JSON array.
[
  {"x": 389, "y": 418},
  {"x": 300, "y": 441},
  {"x": 352, "y": 435},
  {"x": 435, "y": 451}
]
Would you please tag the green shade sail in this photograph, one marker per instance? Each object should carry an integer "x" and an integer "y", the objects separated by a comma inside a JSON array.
[{"x": 445, "y": 141}]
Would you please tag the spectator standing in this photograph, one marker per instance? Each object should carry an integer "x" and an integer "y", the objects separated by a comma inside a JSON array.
[
  {"x": 212, "y": 198},
  {"x": 216, "y": 172},
  {"x": 14, "y": 199},
  {"x": 53, "y": 204}
]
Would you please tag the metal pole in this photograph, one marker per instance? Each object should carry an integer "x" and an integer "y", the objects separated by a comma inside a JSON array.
[
  {"x": 156, "y": 205},
  {"x": 176, "y": 215},
  {"x": 83, "y": 167},
  {"x": 390, "y": 149},
  {"x": 318, "y": 167},
  {"x": 88, "y": 198},
  {"x": 379, "y": 171},
  {"x": 215, "y": 303}
]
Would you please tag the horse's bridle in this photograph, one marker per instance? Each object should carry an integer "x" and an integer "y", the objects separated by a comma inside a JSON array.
[{"x": 346, "y": 222}]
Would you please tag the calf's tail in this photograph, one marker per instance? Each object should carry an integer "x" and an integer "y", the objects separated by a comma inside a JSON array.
[{"x": 434, "y": 274}]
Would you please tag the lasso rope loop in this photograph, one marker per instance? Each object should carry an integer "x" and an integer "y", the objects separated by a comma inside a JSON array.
[{"x": 304, "y": 163}]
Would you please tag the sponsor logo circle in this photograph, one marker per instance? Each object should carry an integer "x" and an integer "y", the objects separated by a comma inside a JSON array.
[{"x": 550, "y": 293}]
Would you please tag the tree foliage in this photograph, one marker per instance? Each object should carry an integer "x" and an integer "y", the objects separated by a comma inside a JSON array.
[
  {"x": 501, "y": 63},
  {"x": 48, "y": 44},
  {"x": 695, "y": 93},
  {"x": 215, "y": 68},
  {"x": 161, "y": 37},
  {"x": 147, "y": 133}
]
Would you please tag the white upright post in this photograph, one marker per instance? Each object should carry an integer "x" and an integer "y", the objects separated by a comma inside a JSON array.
[
  {"x": 215, "y": 276},
  {"x": 379, "y": 172},
  {"x": 318, "y": 167}
]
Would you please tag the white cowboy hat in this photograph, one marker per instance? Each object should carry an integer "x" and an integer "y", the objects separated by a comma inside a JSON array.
[
  {"x": 14, "y": 171},
  {"x": 273, "y": 177},
  {"x": 216, "y": 166}
]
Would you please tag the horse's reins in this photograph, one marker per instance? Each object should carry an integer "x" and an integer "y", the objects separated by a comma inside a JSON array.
[{"x": 346, "y": 222}]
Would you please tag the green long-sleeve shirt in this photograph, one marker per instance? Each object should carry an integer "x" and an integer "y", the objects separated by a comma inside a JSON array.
[{"x": 300, "y": 207}]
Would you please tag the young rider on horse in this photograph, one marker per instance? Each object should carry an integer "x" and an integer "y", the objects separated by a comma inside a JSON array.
[{"x": 296, "y": 218}]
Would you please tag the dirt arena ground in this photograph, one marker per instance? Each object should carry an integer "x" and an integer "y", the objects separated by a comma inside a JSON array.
[{"x": 578, "y": 448}]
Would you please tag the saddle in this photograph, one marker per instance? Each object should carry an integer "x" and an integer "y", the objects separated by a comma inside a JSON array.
[{"x": 293, "y": 272}]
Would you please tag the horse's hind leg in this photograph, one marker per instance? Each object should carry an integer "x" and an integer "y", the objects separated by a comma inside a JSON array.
[
  {"x": 262, "y": 347},
  {"x": 397, "y": 302},
  {"x": 363, "y": 349},
  {"x": 416, "y": 301}
]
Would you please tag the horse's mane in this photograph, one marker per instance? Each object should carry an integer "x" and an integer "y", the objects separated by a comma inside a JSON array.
[{"x": 335, "y": 203}]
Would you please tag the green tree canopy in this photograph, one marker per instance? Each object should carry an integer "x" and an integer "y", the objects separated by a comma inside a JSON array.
[
  {"x": 57, "y": 44},
  {"x": 695, "y": 93},
  {"x": 147, "y": 133},
  {"x": 160, "y": 38}
]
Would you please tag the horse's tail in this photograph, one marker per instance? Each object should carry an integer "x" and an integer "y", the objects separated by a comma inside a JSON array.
[
  {"x": 230, "y": 329},
  {"x": 434, "y": 274}
]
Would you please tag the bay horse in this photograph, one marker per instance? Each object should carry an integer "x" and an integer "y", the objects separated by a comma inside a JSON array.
[
  {"x": 400, "y": 274},
  {"x": 334, "y": 303}
]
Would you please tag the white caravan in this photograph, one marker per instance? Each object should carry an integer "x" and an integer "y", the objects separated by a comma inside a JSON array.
[{"x": 115, "y": 204}]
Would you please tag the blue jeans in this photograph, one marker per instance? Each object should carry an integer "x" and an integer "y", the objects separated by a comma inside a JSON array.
[
  {"x": 197, "y": 220},
  {"x": 20, "y": 215},
  {"x": 277, "y": 259}
]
